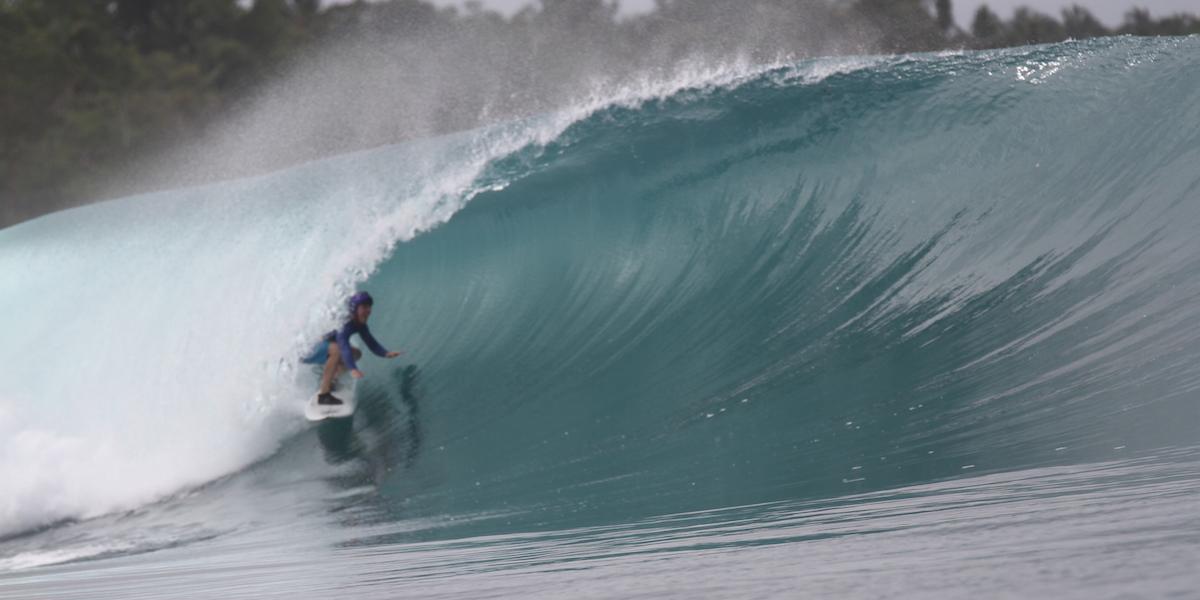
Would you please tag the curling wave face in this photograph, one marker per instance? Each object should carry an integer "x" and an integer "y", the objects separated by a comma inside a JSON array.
[{"x": 804, "y": 281}]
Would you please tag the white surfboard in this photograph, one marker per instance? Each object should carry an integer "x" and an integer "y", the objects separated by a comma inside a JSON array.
[{"x": 343, "y": 390}]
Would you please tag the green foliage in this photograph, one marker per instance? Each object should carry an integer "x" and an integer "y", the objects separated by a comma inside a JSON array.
[
  {"x": 1031, "y": 27},
  {"x": 988, "y": 29},
  {"x": 1079, "y": 24},
  {"x": 945, "y": 14},
  {"x": 89, "y": 87},
  {"x": 1139, "y": 22}
]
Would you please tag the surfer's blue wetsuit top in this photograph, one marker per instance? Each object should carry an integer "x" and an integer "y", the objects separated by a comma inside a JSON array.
[{"x": 342, "y": 337}]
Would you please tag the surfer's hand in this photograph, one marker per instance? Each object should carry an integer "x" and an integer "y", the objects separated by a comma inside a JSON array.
[
  {"x": 394, "y": 354},
  {"x": 356, "y": 373}
]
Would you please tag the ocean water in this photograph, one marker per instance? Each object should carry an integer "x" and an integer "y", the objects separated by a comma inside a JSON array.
[{"x": 898, "y": 326}]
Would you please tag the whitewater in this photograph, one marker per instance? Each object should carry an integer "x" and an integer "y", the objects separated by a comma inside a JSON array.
[{"x": 921, "y": 325}]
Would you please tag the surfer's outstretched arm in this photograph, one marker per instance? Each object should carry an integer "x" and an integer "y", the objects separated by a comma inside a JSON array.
[
  {"x": 372, "y": 343},
  {"x": 375, "y": 346}
]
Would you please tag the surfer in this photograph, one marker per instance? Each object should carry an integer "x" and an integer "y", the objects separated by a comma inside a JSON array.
[{"x": 337, "y": 354}]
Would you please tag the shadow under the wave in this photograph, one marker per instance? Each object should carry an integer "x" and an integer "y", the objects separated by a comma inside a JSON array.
[{"x": 385, "y": 430}]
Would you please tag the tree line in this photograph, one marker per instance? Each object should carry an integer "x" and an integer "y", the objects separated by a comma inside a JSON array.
[{"x": 89, "y": 90}]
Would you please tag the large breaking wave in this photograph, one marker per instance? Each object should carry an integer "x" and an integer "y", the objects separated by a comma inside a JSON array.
[{"x": 795, "y": 281}]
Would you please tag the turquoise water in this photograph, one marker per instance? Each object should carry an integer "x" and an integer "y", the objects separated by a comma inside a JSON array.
[{"x": 912, "y": 326}]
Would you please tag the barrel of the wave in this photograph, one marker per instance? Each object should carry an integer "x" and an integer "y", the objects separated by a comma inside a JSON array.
[{"x": 815, "y": 295}]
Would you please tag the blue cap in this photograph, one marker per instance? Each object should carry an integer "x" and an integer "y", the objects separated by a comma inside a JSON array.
[{"x": 359, "y": 299}]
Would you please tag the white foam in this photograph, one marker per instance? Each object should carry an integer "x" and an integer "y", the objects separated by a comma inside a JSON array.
[
  {"x": 42, "y": 558},
  {"x": 151, "y": 342},
  {"x": 818, "y": 70}
]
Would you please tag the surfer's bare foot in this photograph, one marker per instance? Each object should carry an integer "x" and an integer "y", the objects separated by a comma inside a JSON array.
[{"x": 328, "y": 399}]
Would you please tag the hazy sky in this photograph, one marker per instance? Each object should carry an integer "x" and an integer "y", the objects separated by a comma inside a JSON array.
[{"x": 1110, "y": 12}]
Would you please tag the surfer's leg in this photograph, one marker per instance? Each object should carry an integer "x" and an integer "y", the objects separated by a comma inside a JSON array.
[{"x": 333, "y": 367}]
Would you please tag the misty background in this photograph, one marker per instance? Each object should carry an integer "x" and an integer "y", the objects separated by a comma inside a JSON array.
[
  {"x": 1109, "y": 12},
  {"x": 102, "y": 100}
]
